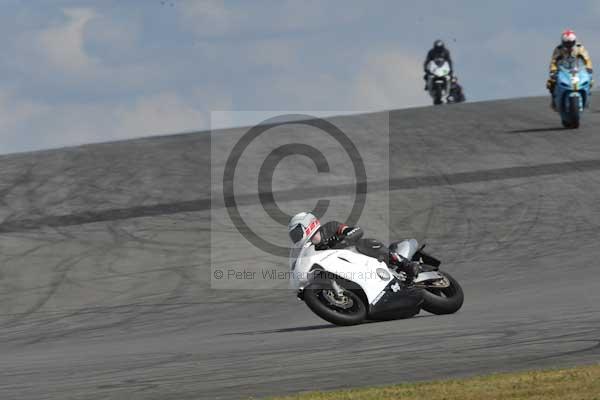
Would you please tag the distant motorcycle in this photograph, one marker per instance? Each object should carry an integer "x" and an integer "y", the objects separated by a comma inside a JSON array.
[
  {"x": 438, "y": 80},
  {"x": 456, "y": 93},
  {"x": 349, "y": 285},
  {"x": 572, "y": 91}
]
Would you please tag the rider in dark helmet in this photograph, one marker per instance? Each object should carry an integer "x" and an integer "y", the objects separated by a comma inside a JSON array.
[
  {"x": 438, "y": 50},
  {"x": 456, "y": 91}
]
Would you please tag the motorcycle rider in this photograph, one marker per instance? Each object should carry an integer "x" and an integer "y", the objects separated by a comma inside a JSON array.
[
  {"x": 569, "y": 47},
  {"x": 456, "y": 91},
  {"x": 438, "y": 50},
  {"x": 305, "y": 229}
]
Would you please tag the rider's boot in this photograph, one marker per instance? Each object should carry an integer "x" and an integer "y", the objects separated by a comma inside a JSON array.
[
  {"x": 411, "y": 270},
  {"x": 408, "y": 269}
]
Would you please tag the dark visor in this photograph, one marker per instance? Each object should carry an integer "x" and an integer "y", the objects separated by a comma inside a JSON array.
[{"x": 297, "y": 233}]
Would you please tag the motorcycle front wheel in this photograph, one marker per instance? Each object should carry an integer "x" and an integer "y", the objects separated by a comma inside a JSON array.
[
  {"x": 437, "y": 96},
  {"x": 574, "y": 111},
  {"x": 347, "y": 309}
]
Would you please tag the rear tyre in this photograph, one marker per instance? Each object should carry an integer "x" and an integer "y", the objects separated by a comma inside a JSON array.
[
  {"x": 443, "y": 300},
  {"x": 348, "y": 309}
]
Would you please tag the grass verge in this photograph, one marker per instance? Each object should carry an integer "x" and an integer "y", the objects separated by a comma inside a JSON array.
[{"x": 581, "y": 383}]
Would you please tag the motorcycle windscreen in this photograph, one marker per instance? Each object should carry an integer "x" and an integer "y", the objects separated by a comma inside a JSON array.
[{"x": 406, "y": 248}]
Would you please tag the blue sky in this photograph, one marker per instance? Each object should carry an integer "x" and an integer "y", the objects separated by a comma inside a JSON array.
[{"x": 76, "y": 72}]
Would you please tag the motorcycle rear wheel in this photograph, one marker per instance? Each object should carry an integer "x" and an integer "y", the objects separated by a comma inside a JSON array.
[{"x": 443, "y": 300}]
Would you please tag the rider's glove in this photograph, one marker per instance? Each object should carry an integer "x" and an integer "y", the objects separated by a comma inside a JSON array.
[
  {"x": 325, "y": 244},
  {"x": 350, "y": 233},
  {"x": 329, "y": 243}
]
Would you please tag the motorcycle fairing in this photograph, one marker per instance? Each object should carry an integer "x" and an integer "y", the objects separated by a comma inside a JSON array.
[
  {"x": 406, "y": 248},
  {"x": 394, "y": 297},
  {"x": 573, "y": 80},
  {"x": 346, "y": 264}
]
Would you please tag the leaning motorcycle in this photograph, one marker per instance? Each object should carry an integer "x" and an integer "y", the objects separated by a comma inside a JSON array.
[
  {"x": 572, "y": 91},
  {"x": 438, "y": 80},
  {"x": 347, "y": 286}
]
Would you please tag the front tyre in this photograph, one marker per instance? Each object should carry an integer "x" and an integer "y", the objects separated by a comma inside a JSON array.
[
  {"x": 446, "y": 300},
  {"x": 574, "y": 112},
  {"x": 347, "y": 309},
  {"x": 437, "y": 95}
]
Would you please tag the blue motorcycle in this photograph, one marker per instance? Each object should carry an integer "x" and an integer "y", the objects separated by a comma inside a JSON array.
[{"x": 572, "y": 91}]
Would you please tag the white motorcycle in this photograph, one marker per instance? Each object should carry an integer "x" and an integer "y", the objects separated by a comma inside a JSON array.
[
  {"x": 439, "y": 80},
  {"x": 347, "y": 286}
]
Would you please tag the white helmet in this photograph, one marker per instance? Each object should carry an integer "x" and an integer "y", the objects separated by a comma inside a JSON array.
[{"x": 303, "y": 226}]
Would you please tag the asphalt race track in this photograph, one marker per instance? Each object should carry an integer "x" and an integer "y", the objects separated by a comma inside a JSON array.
[{"x": 105, "y": 262}]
